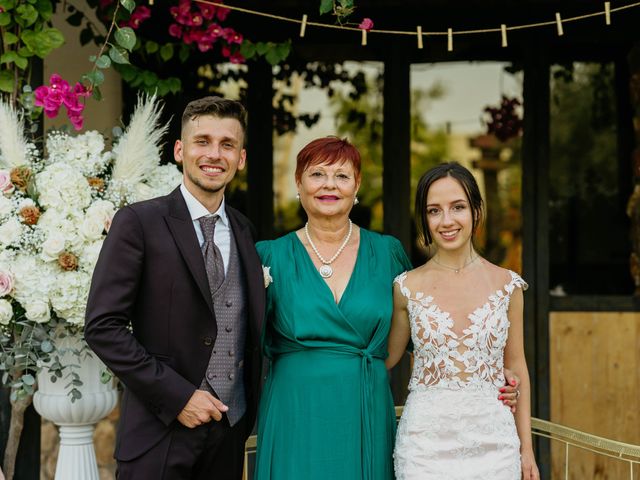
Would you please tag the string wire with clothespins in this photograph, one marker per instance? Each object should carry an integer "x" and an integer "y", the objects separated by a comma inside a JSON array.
[{"x": 449, "y": 32}]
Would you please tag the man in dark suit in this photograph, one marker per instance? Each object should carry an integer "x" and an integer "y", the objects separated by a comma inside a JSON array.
[{"x": 183, "y": 272}]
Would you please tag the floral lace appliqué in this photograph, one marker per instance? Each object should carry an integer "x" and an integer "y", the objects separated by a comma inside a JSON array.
[{"x": 474, "y": 359}]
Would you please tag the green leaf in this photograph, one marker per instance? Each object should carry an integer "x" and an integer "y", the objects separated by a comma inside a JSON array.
[
  {"x": 183, "y": 55},
  {"x": 151, "y": 46},
  {"x": 96, "y": 94},
  {"x": 5, "y": 19},
  {"x": 6, "y": 85},
  {"x": 75, "y": 19},
  {"x": 118, "y": 54},
  {"x": 272, "y": 57},
  {"x": 128, "y": 4},
  {"x": 175, "y": 85},
  {"x": 95, "y": 78},
  {"x": 10, "y": 38},
  {"x": 166, "y": 52},
  {"x": 126, "y": 37},
  {"x": 26, "y": 15},
  {"x": 103, "y": 62},
  {"x": 7, "y": 4},
  {"x": 262, "y": 48},
  {"x": 247, "y": 49},
  {"x": 21, "y": 62},
  {"x": 326, "y": 6},
  {"x": 128, "y": 72},
  {"x": 43, "y": 42},
  {"x": 25, "y": 52},
  {"x": 283, "y": 49},
  {"x": 346, "y": 3},
  {"x": 8, "y": 57},
  {"x": 28, "y": 379},
  {"x": 150, "y": 79},
  {"x": 44, "y": 8}
]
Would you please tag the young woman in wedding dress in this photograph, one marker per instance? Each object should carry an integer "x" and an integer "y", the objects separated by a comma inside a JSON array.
[{"x": 464, "y": 316}]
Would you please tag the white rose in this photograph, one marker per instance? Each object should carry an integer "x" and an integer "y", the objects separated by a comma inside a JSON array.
[
  {"x": 6, "y": 206},
  {"x": 6, "y": 312},
  {"x": 53, "y": 246},
  {"x": 10, "y": 231},
  {"x": 37, "y": 311},
  {"x": 92, "y": 228}
]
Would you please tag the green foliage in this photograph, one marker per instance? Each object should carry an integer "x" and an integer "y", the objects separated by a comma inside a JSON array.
[{"x": 25, "y": 31}]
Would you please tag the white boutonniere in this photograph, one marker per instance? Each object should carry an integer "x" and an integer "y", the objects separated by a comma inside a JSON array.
[{"x": 267, "y": 276}]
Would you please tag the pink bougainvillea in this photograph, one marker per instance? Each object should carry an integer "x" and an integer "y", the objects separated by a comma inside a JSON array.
[
  {"x": 59, "y": 93},
  {"x": 194, "y": 24},
  {"x": 366, "y": 24},
  {"x": 139, "y": 15}
]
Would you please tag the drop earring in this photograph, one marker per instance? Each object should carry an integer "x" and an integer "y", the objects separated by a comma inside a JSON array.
[
  {"x": 355, "y": 200},
  {"x": 298, "y": 196}
]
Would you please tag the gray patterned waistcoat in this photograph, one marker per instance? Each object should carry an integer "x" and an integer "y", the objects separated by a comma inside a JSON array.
[{"x": 225, "y": 372}]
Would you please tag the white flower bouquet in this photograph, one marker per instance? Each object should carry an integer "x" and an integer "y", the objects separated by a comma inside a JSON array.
[{"x": 55, "y": 211}]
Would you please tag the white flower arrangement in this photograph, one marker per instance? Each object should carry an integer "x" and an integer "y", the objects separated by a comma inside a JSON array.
[
  {"x": 266, "y": 273},
  {"x": 55, "y": 212}
]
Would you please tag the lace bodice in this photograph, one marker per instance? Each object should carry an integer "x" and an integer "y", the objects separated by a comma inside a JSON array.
[{"x": 473, "y": 359}]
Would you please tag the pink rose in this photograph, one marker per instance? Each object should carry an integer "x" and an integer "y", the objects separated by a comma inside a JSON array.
[
  {"x": 6, "y": 186},
  {"x": 6, "y": 282}
]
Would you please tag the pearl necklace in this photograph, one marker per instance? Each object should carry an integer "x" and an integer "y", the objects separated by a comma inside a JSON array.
[
  {"x": 457, "y": 270},
  {"x": 325, "y": 270}
]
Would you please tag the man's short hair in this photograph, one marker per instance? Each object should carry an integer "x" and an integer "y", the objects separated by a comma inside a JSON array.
[{"x": 217, "y": 107}]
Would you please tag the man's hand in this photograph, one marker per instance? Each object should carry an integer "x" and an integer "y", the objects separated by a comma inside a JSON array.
[
  {"x": 201, "y": 408},
  {"x": 509, "y": 393}
]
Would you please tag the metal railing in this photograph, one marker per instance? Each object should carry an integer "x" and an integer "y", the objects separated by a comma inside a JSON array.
[{"x": 570, "y": 437}]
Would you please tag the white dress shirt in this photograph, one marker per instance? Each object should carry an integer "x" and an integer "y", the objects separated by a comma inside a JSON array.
[{"x": 222, "y": 236}]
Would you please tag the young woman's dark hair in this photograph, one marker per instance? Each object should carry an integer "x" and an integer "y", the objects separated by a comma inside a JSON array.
[{"x": 469, "y": 185}]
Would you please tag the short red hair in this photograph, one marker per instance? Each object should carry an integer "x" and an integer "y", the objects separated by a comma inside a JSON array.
[{"x": 329, "y": 150}]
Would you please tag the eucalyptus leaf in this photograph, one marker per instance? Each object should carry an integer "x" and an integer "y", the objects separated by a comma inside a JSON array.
[
  {"x": 28, "y": 379},
  {"x": 46, "y": 346}
]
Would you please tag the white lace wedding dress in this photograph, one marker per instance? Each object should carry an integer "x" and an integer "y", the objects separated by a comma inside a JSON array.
[{"x": 453, "y": 426}]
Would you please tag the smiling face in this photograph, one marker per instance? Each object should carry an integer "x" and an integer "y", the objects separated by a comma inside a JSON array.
[
  {"x": 211, "y": 152},
  {"x": 328, "y": 190},
  {"x": 449, "y": 215}
]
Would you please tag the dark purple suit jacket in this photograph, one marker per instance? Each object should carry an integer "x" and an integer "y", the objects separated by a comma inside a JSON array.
[{"x": 151, "y": 276}]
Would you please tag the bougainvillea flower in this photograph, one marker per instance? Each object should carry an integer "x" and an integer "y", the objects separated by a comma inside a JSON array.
[
  {"x": 208, "y": 11},
  {"x": 175, "y": 30},
  {"x": 214, "y": 30},
  {"x": 237, "y": 58},
  {"x": 222, "y": 13},
  {"x": 366, "y": 24},
  {"x": 139, "y": 15},
  {"x": 231, "y": 36},
  {"x": 59, "y": 93}
]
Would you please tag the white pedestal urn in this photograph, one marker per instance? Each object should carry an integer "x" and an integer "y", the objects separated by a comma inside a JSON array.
[{"x": 76, "y": 420}]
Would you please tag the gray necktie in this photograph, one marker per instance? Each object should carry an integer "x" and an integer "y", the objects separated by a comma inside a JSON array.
[{"x": 211, "y": 252}]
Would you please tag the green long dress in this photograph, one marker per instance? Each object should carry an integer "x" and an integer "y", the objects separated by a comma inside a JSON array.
[{"x": 326, "y": 410}]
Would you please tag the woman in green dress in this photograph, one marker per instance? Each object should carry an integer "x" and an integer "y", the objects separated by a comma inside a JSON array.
[{"x": 326, "y": 410}]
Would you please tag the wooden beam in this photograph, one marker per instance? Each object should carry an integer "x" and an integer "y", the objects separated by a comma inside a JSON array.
[
  {"x": 260, "y": 148},
  {"x": 396, "y": 175},
  {"x": 535, "y": 213}
]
